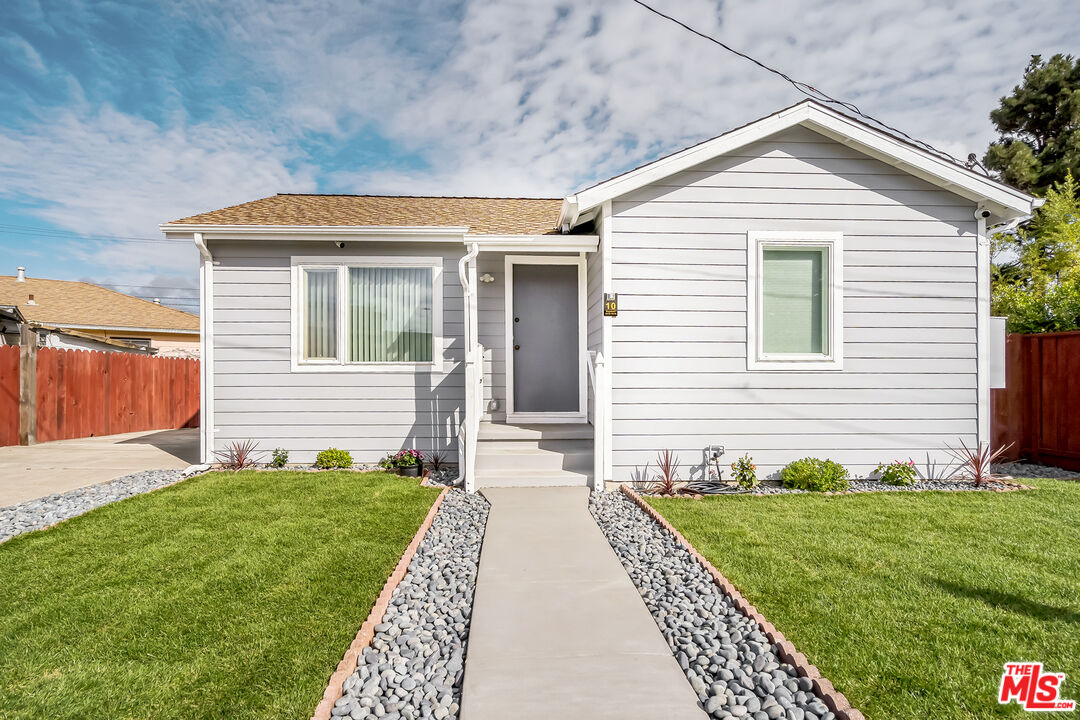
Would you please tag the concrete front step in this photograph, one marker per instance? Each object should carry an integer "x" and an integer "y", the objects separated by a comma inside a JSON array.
[
  {"x": 556, "y": 455},
  {"x": 534, "y": 432},
  {"x": 522, "y": 478},
  {"x": 500, "y": 459}
]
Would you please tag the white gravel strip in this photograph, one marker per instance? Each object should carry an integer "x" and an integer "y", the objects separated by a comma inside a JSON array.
[
  {"x": 415, "y": 664},
  {"x": 1031, "y": 470},
  {"x": 726, "y": 656},
  {"x": 49, "y": 510}
]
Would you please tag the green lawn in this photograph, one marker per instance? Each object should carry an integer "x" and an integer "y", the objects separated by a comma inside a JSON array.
[
  {"x": 909, "y": 603},
  {"x": 226, "y": 596}
]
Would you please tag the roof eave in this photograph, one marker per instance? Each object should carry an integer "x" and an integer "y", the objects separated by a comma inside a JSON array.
[{"x": 314, "y": 232}]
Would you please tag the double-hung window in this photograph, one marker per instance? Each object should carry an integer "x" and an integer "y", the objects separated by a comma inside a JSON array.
[
  {"x": 794, "y": 300},
  {"x": 367, "y": 314}
]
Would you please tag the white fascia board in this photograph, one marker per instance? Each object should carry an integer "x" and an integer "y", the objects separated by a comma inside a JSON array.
[
  {"x": 925, "y": 165},
  {"x": 414, "y": 233},
  {"x": 1004, "y": 201},
  {"x": 534, "y": 243}
]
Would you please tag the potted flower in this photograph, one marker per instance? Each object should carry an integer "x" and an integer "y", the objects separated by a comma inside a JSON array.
[{"x": 409, "y": 462}]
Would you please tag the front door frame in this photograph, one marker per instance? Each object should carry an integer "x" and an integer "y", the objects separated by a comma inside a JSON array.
[{"x": 581, "y": 416}]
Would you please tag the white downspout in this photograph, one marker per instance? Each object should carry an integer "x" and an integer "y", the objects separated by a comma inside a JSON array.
[
  {"x": 206, "y": 350},
  {"x": 466, "y": 441}
]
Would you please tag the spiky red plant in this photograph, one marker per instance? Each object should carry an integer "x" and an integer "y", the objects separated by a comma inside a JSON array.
[
  {"x": 436, "y": 461},
  {"x": 976, "y": 464},
  {"x": 667, "y": 463},
  {"x": 237, "y": 455}
]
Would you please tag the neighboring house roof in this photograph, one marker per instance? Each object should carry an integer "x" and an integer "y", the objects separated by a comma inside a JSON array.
[
  {"x": 482, "y": 216},
  {"x": 1004, "y": 203},
  {"x": 67, "y": 304}
]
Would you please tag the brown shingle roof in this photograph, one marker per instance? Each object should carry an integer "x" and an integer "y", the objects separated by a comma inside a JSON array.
[
  {"x": 483, "y": 216},
  {"x": 62, "y": 303}
]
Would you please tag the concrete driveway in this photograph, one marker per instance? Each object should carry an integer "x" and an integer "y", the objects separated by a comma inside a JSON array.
[{"x": 54, "y": 467}]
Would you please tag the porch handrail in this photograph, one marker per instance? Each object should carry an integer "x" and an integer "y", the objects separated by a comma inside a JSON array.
[{"x": 598, "y": 380}]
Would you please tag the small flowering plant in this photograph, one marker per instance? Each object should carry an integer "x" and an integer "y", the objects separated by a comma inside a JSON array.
[
  {"x": 898, "y": 472},
  {"x": 408, "y": 458},
  {"x": 745, "y": 472}
]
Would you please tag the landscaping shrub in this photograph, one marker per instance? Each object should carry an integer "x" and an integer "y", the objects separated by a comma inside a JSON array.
[
  {"x": 976, "y": 464},
  {"x": 333, "y": 458},
  {"x": 237, "y": 455},
  {"x": 815, "y": 474},
  {"x": 897, "y": 472},
  {"x": 280, "y": 458},
  {"x": 744, "y": 471},
  {"x": 665, "y": 481}
]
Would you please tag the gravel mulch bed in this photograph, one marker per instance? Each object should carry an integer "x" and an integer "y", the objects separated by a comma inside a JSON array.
[
  {"x": 49, "y": 510},
  {"x": 446, "y": 477},
  {"x": 726, "y": 656},
  {"x": 415, "y": 664},
  {"x": 1031, "y": 470},
  {"x": 865, "y": 486}
]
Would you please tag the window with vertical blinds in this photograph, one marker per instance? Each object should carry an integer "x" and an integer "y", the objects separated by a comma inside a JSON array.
[
  {"x": 369, "y": 314},
  {"x": 794, "y": 301},
  {"x": 320, "y": 314},
  {"x": 389, "y": 318}
]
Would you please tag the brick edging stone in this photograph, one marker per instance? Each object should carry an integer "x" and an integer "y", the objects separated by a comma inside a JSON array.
[
  {"x": 833, "y": 698},
  {"x": 366, "y": 633}
]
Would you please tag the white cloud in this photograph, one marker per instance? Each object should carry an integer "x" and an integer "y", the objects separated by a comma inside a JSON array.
[
  {"x": 534, "y": 98},
  {"x": 506, "y": 97},
  {"x": 17, "y": 48},
  {"x": 103, "y": 172}
]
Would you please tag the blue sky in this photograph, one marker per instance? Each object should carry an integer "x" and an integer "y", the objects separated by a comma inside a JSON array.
[{"x": 116, "y": 116}]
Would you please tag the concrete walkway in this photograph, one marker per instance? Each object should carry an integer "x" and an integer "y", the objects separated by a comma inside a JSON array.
[
  {"x": 28, "y": 472},
  {"x": 558, "y": 629}
]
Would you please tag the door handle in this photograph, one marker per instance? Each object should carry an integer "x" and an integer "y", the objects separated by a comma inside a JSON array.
[{"x": 517, "y": 347}]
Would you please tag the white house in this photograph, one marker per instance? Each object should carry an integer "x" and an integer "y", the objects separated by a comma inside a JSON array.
[{"x": 803, "y": 285}]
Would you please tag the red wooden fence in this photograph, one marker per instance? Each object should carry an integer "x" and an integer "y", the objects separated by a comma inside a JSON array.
[
  {"x": 9, "y": 395},
  {"x": 1039, "y": 409},
  {"x": 81, "y": 393}
]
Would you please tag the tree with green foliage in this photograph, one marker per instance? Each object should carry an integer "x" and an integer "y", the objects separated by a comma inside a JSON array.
[
  {"x": 1039, "y": 126},
  {"x": 1036, "y": 271}
]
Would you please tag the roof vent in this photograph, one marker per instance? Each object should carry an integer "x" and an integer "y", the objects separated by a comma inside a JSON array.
[
  {"x": 31, "y": 300},
  {"x": 21, "y": 277}
]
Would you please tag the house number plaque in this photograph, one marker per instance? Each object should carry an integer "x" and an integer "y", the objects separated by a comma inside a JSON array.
[{"x": 611, "y": 304}]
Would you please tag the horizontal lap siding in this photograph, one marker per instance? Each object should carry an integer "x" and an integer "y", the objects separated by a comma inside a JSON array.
[
  {"x": 679, "y": 265},
  {"x": 257, "y": 395}
]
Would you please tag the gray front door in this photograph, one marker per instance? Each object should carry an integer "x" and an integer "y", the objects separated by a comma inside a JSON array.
[{"x": 547, "y": 359}]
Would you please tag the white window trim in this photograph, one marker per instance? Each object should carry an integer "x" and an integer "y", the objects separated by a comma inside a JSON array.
[
  {"x": 756, "y": 242},
  {"x": 342, "y": 265}
]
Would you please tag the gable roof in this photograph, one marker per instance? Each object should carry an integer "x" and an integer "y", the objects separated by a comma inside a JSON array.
[
  {"x": 67, "y": 304},
  {"x": 1004, "y": 203},
  {"x": 481, "y": 215}
]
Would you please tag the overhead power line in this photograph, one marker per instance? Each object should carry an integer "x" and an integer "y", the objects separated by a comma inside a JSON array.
[
  {"x": 807, "y": 89},
  {"x": 71, "y": 234}
]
